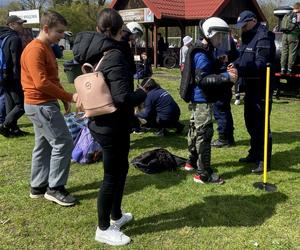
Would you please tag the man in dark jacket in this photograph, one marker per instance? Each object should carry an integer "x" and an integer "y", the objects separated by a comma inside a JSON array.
[
  {"x": 11, "y": 84},
  {"x": 256, "y": 50}
]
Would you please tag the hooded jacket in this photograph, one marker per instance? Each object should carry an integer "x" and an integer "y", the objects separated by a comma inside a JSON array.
[
  {"x": 12, "y": 51},
  {"x": 90, "y": 47}
]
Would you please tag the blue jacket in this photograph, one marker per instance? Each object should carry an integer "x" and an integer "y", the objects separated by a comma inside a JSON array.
[
  {"x": 205, "y": 67},
  {"x": 159, "y": 103}
]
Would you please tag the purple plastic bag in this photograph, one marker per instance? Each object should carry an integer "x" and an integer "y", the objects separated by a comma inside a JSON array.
[{"x": 87, "y": 149}]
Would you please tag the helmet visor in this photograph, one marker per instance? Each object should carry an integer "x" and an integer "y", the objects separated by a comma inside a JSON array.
[{"x": 221, "y": 41}]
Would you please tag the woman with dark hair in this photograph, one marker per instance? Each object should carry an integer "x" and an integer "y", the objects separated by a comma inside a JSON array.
[
  {"x": 112, "y": 131},
  {"x": 160, "y": 109}
]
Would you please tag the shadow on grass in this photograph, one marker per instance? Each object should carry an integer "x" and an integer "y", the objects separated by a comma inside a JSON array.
[
  {"x": 150, "y": 140},
  {"x": 278, "y": 138},
  {"x": 133, "y": 184},
  {"x": 215, "y": 211},
  {"x": 281, "y": 161},
  {"x": 160, "y": 181}
]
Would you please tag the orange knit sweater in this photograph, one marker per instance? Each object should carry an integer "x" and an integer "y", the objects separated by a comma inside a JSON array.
[{"x": 39, "y": 75}]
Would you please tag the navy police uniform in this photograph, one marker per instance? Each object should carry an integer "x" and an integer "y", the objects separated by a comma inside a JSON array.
[{"x": 256, "y": 50}]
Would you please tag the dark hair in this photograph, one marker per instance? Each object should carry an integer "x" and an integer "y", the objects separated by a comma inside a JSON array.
[
  {"x": 296, "y": 6},
  {"x": 109, "y": 22},
  {"x": 148, "y": 83},
  {"x": 52, "y": 18}
]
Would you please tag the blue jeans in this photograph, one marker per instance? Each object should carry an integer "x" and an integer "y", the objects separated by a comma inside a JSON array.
[{"x": 2, "y": 105}]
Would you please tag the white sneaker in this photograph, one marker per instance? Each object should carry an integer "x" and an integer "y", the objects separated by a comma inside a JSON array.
[
  {"x": 126, "y": 217},
  {"x": 237, "y": 102},
  {"x": 112, "y": 236}
]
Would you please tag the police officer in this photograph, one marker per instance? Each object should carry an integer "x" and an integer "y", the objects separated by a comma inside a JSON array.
[
  {"x": 201, "y": 85},
  {"x": 256, "y": 50}
]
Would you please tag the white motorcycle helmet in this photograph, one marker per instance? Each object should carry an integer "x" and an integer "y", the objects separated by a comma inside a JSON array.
[
  {"x": 217, "y": 31},
  {"x": 135, "y": 28}
]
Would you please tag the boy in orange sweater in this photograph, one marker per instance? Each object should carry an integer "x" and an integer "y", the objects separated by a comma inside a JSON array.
[{"x": 53, "y": 143}]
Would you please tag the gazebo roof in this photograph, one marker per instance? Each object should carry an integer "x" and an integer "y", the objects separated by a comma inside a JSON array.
[{"x": 189, "y": 9}]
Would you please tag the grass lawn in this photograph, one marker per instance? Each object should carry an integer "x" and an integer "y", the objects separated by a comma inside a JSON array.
[{"x": 171, "y": 211}]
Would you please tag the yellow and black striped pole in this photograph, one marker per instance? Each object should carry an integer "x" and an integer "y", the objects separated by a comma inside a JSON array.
[{"x": 264, "y": 185}]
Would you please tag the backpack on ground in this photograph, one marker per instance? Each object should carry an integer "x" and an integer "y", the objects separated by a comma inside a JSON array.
[
  {"x": 87, "y": 150},
  {"x": 157, "y": 160},
  {"x": 2, "y": 60}
]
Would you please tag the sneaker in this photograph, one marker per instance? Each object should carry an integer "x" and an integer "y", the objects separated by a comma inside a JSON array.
[
  {"x": 259, "y": 168},
  {"x": 37, "y": 192},
  {"x": 126, "y": 217},
  {"x": 179, "y": 128},
  {"x": 289, "y": 71},
  {"x": 222, "y": 143},
  {"x": 283, "y": 71},
  {"x": 60, "y": 196},
  {"x": 188, "y": 167},
  {"x": 161, "y": 132},
  {"x": 142, "y": 121},
  {"x": 237, "y": 102},
  {"x": 18, "y": 133},
  {"x": 4, "y": 130},
  {"x": 112, "y": 236},
  {"x": 248, "y": 159},
  {"x": 214, "y": 179}
]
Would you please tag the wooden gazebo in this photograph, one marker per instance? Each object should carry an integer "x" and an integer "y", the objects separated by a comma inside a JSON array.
[{"x": 180, "y": 13}]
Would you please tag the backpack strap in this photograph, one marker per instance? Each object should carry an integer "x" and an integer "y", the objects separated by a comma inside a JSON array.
[
  {"x": 3, "y": 42},
  {"x": 104, "y": 54}
]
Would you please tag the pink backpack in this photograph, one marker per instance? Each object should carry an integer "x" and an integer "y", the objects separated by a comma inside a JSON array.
[{"x": 94, "y": 97}]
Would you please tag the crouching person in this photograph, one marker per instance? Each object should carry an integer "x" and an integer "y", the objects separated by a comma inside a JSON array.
[
  {"x": 160, "y": 109},
  {"x": 201, "y": 85}
]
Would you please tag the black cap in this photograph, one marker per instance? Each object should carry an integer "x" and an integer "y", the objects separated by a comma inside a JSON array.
[
  {"x": 244, "y": 17},
  {"x": 14, "y": 19}
]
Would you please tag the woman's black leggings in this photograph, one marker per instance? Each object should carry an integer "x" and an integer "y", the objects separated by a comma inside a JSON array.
[{"x": 115, "y": 145}]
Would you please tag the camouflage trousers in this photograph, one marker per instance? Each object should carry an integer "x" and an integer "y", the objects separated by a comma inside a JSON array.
[
  {"x": 199, "y": 137},
  {"x": 289, "y": 50}
]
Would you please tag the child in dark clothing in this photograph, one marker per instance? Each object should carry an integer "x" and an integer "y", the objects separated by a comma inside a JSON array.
[
  {"x": 143, "y": 68},
  {"x": 160, "y": 109}
]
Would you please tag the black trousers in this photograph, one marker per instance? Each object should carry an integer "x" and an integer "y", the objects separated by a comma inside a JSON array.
[
  {"x": 115, "y": 144},
  {"x": 14, "y": 104},
  {"x": 254, "y": 113}
]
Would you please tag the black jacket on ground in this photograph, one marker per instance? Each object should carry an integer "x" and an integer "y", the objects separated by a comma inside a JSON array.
[
  {"x": 12, "y": 52},
  {"x": 90, "y": 47}
]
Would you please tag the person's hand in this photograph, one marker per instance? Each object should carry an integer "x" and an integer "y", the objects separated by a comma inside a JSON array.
[
  {"x": 67, "y": 106},
  {"x": 230, "y": 66},
  {"x": 74, "y": 97},
  {"x": 233, "y": 74}
]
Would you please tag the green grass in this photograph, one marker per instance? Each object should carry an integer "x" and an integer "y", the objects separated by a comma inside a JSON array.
[{"x": 171, "y": 211}]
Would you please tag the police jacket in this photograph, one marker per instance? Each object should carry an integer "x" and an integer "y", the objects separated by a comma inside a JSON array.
[
  {"x": 159, "y": 103},
  {"x": 12, "y": 51},
  {"x": 201, "y": 81},
  {"x": 90, "y": 47},
  {"x": 256, "y": 50}
]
